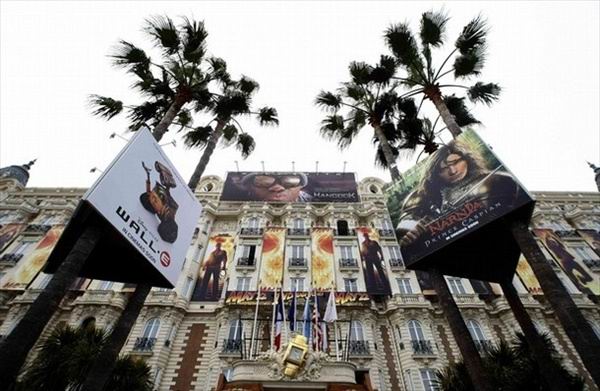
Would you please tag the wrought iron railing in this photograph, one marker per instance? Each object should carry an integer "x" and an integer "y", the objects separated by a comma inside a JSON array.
[
  {"x": 298, "y": 262},
  {"x": 249, "y": 231},
  {"x": 245, "y": 261},
  {"x": 144, "y": 344},
  {"x": 39, "y": 228},
  {"x": 592, "y": 263},
  {"x": 348, "y": 263},
  {"x": 347, "y": 232},
  {"x": 396, "y": 263},
  {"x": 11, "y": 257},
  {"x": 387, "y": 233},
  {"x": 298, "y": 231},
  {"x": 422, "y": 347},
  {"x": 232, "y": 346},
  {"x": 358, "y": 348}
]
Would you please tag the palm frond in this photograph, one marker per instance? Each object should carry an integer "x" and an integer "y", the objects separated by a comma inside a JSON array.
[
  {"x": 268, "y": 116},
  {"x": 245, "y": 144},
  {"x": 384, "y": 107},
  {"x": 126, "y": 54},
  {"x": 472, "y": 36},
  {"x": 197, "y": 138},
  {"x": 456, "y": 107},
  {"x": 146, "y": 112},
  {"x": 218, "y": 68},
  {"x": 433, "y": 26},
  {"x": 353, "y": 91},
  {"x": 487, "y": 93},
  {"x": 164, "y": 33},
  {"x": 194, "y": 40},
  {"x": 328, "y": 101},
  {"x": 470, "y": 63},
  {"x": 357, "y": 120},
  {"x": 380, "y": 160},
  {"x": 232, "y": 104},
  {"x": 360, "y": 72},
  {"x": 247, "y": 85},
  {"x": 104, "y": 106},
  {"x": 230, "y": 132},
  {"x": 403, "y": 45},
  {"x": 407, "y": 107},
  {"x": 384, "y": 71},
  {"x": 331, "y": 125},
  {"x": 184, "y": 118}
]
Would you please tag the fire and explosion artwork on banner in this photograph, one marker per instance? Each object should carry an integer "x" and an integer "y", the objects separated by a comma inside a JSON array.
[
  {"x": 272, "y": 258},
  {"x": 528, "y": 277},
  {"x": 577, "y": 271},
  {"x": 8, "y": 232},
  {"x": 373, "y": 262},
  {"x": 592, "y": 238},
  {"x": 28, "y": 267},
  {"x": 322, "y": 260},
  {"x": 457, "y": 190},
  {"x": 213, "y": 270},
  {"x": 290, "y": 187}
]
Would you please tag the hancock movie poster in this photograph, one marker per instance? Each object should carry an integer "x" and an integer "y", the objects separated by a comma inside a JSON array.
[
  {"x": 290, "y": 187},
  {"x": 272, "y": 258},
  {"x": 213, "y": 269},
  {"x": 373, "y": 262},
  {"x": 455, "y": 191}
]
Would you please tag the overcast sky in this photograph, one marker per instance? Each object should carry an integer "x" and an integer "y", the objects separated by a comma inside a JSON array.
[{"x": 54, "y": 54}]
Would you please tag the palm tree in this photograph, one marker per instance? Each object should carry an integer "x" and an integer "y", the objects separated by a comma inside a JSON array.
[{"x": 425, "y": 79}]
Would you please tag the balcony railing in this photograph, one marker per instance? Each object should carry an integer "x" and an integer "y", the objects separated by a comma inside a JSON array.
[
  {"x": 250, "y": 231},
  {"x": 564, "y": 233},
  {"x": 298, "y": 263},
  {"x": 232, "y": 346},
  {"x": 592, "y": 263},
  {"x": 348, "y": 263},
  {"x": 396, "y": 263},
  {"x": 358, "y": 348},
  {"x": 39, "y": 228},
  {"x": 245, "y": 262},
  {"x": 422, "y": 348},
  {"x": 11, "y": 257},
  {"x": 348, "y": 232},
  {"x": 144, "y": 344},
  {"x": 483, "y": 345},
  {"x": 298, "y": 231},
  {"x": 387, "y": 233}
]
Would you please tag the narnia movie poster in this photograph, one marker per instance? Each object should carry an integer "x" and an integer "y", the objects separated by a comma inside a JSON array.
[
  {"x": 28, "y": 267},
  {"x": 273, "y": 255},
  {"x": 575, "y": 269},
  {"x": 8, "y": 232},
  {"x": 528, "y": 277},
  {"x": 322, "y": 259},
  {"x": 213, "y": 270},
  {"x": 373, "y": 262}
]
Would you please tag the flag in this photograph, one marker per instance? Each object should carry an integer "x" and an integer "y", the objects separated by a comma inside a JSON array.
[
  {"x": 331, "y": 310},
  {"x": 324, "y": 338},
  {"x": 278, "y": 321},
  {"x": 306, "y": 318},
  {"x": 292, "y": 313},
  {"x": 317, "y": 332}
]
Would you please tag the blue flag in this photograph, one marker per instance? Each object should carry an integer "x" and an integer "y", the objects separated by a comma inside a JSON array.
[
  {"x": 292, "y": 313},
  {"x": 306, "y": 317}
]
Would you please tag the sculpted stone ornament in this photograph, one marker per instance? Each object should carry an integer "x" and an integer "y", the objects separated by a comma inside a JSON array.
[{"x": 295, "y": 362}]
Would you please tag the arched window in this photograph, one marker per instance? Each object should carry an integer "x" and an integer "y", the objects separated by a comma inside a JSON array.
[
  {"x": 89, "y": 322},
  {"x": 415, "y": 330},
  {"x": 151, "y": 328},
  {"x": 235, "y": 329},
  {"x": 356, "y": 331},
  {"x": 106, "y": 285},
  {"x": 208, "y": 187},
  {"x": 475, "y": 330},
  {"x": 298, "y": 223},
  {"x": 342, "y": 228},
  {"x": 374, "y": 189},
  {"x": 596, "y": 329}
]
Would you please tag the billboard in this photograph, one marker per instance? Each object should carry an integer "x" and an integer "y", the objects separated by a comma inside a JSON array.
[
  {"x": 322, "y": 260},
  {"x": 373, "y": 262},
  {"x": 577, "y": 271},
  {"x": 273, "y": 253},
  {"x": 8, "y": 232},
  {"x": 25, "y": 271},
  {"x": 457, "y": 191},
  {"x": 148, "y": 203},
  {"x": 290, "y": 187},
  {"x": 528, "y": 278},
  {"x": 267, "y": 297},
  {"x": 213, "y": 269}
]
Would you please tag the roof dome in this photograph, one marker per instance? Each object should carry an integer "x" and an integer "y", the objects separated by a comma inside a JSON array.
[{"x": 19, "y": 173}]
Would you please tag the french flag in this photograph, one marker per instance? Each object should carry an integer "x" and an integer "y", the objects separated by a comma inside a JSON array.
[{"x": 278, "y": 321}]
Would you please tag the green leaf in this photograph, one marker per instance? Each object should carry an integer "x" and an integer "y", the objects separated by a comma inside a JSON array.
[
  {"x": 229, "y": 132},
  {"x": 104, "y": 106},
  {"x": 433, "y": 26},
  {"x": 456, "y": 106},
  {"x": 245, "y": 144},
  {"x": 194, "y": 40},
  {"x": 247, "y": 85},
  {"x": 268, "y": 116},
  {"x": 472, "y": 36},
  {"x": 127, "y": 54},
  {"x": 487, "y": 93},
  {"x": 407, "y": 107},
  {"x": 328, "y": 101},
  {"x": 469, "y": 64},
  {"x": 197, "y": 138},
  {"x": 184, "y": 118},
  {"x": 164, "y": 33},
  {"x": 360, "y": 72},
  {"x": 384, "y": 71},
  {"x": 353, "y": 91},
  {"x": 331, "y": 125},
  {"x": 403, "y": 45}
]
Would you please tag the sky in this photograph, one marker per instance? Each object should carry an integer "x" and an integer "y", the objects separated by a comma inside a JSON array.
[{"x": 545, "y": 55}]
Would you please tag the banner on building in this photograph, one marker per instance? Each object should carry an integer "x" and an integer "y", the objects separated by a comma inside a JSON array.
[
  {"x": 322, "y": 265},
  {"x": 592, "y": 238},
  {"x": 576, "y": 270},
  {"x": 373, "y": 262},
  {"x": 290, "y": 187},
  {"x": 459, "y": 190},
  {"x": 266, "y": 297},
  {"x": 528, "y": 278},
  {"x": 27, "y": 268},
  {"x": 272, "y": 258},
  {"x": 8, "y": 233},
  {"x": 213, "y": 269}
]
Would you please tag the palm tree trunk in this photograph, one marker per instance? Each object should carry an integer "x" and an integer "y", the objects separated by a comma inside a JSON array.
[
  {"x": 106, "y": 360},
  {"x": 471, "y": 357},
  {"x": 553, "y": 376},
  {"x": 208, "y": 151},
  {"x": 168, "y": 118},
  {"x": 387, "y": 152},
  {"x": 574, "y": 323},
  {"x": 16, "y": 346},
  {"x": 436, "y": 98}
]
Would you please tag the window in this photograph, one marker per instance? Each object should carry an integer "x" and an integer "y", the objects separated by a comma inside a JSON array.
[
  {"x": 208, "y": 187},
  {"x": 356, "y": 331},
  {"x": 415, "y": 330},
  {"x": 346, "y": 252},
  {"x": 479, "y": 287},
  {"x": 342, "y": 228},
  {"x": 387, "y": 224},
  {"x": 582, "y": 251},
  {"x": 21, "y": 247},
  {"x": 187, "y": 286},
  {"x": 151, "y": 328},
  {"x": 89, "y": 322},
  {"x": 394, "y": 252},
  {"x": 42, "y": 280},
  {"x": 456, "y": 286},
  {"x": 235, "y": 329},
  {"x": 297, "y": 251},
  {"x": 105, "y": 285},
  {"x": 567, "y": 283},
  {"x": 252, "y": 222},
  {"x": 429, "y": 379},
  {"x": 248, "y": 252},
  {"x": 596, "y": 329},
  {"x": 404, "y": 286},
  {"x": 350, "y": 285},
  {"x": 243, "y": 284},
  {"x": 475, "y": 330},
  {"x": 298, "y": 224},
  {"x": 297, "y": 284}
]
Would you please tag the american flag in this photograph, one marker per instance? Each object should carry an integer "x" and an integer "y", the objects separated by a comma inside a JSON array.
[{"x": 317, "y": 332}]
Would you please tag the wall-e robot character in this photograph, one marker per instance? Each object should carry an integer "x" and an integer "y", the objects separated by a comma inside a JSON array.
[{"x": 160, "y": 202}]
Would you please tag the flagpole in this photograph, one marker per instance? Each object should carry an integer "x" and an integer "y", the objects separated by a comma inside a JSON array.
[
  {"x": 273, "y": 319},
  {"x": 285, "y": 329},
  {"x": 348, "y": 339},
  {"x": 335, "y": 331},
  {"x": 254, "y": 325}
]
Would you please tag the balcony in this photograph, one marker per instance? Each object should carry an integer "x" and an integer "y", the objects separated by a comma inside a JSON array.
[
  {"x": 249, "y": 231},
  {"x": 348, "y": 232},
  {"x": 358, "y": 348},
  {"x": 298, "y": 263},
  {"x": 592, "y": 263},
  {"x": 387, "y": 233},
  {"x": 566, "y": 233},
  {"x": 298, "y": 232},
  {"x": 483, "y": 345},
  {"x": 348, "y": 264},
  {"x": 144, "y": 344},
  {"x": 11, "y": 258},
  {"x": 232, "y": 346},
  {"x": 422, "y": 348},
  {"x": 396, "y": 263},
  {"x": 39, "y": 228},
  {"x": 245, "y": 263}
]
